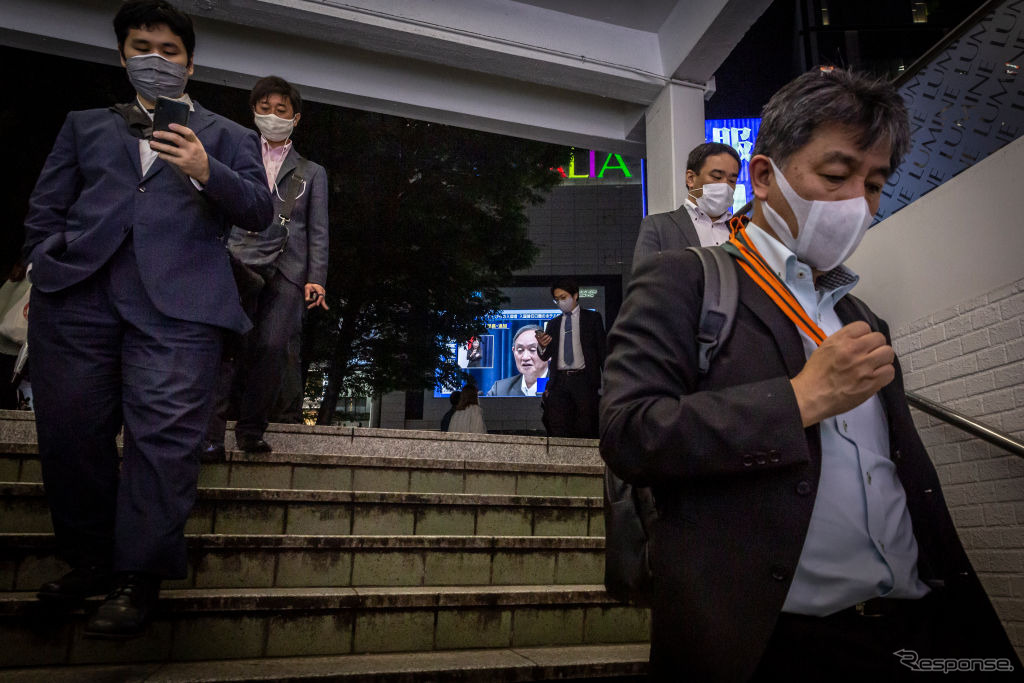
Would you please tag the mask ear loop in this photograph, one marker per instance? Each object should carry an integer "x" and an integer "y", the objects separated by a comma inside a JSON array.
[{"x": 301, "y": 192}]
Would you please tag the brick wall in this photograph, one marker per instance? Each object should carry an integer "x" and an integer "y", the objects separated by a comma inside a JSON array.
[{"x": 971, "y": 357}]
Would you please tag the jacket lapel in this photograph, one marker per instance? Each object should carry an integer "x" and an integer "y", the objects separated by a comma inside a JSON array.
[
  {"x": 681, "y": 217},
  {"x": 287, "y": 166},
  {"x": 782, "y": 329},
  {"x": 129, "y": 142}
]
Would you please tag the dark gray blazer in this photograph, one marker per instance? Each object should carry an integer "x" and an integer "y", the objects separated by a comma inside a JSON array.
[
  {"x": 508, "y": 386},
  {"x": 664, "y": 231},
  {"x": 305, "y": 257},
  {"x": 735, "y": 473}
]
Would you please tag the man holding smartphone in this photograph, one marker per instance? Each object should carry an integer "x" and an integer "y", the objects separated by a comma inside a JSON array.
[
  {"x": 293, "y": 282},
  {"x": 133, "y": 291}
]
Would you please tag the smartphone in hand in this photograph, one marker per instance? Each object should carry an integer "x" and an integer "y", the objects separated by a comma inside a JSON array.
[{"x": 169, "y": 111}]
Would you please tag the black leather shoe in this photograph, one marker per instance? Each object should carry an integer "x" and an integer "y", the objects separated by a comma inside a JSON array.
[
  {"x": 252, "y": 444},
  {"x": 128, "y": 608},
  {"x": 78, "y": 584},
  {"x": 211, "y": 451}
]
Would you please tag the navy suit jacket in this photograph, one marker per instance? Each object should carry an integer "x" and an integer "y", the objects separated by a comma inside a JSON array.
[{"x": 91, "y": 194}]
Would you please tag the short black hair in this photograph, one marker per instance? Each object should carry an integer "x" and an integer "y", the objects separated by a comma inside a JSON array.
[
  {"x": 566, "y": 283},
  {"x": 454, "y": 397},
  {"x": 700, "y": 154},
  {"x": 151, "y": 13},
  {"x": 275, "y": 85}
]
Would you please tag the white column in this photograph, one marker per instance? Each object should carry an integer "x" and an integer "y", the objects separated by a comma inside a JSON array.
[{"x": 675, "y": 125}]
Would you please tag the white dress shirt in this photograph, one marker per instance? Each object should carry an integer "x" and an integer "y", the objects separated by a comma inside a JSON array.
[
  {"x": 860, "y": 543},
  {"x": 710, "y": 232},
  {"x": 532, "y": 389}
]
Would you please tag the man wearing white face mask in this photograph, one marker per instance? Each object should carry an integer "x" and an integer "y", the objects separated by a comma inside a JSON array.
[
  {"x": 802, "y": 533},
  {"x": 267, "y": 361},
  {"x": 703, "y": 220}
]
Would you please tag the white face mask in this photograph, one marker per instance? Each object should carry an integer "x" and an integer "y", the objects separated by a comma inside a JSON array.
[
  {"x": 716, "y": 199},
  {"x": 827, "y": 232},
  {"x": 274, "y": 128},
  {"x": 566, "y": 305}
]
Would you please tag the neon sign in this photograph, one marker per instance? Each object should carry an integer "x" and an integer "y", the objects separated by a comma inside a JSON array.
[{"x": 613, "y": 164}]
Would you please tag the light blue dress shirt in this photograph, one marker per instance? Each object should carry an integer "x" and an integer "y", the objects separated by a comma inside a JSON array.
[{"x": 860, "y": 543}]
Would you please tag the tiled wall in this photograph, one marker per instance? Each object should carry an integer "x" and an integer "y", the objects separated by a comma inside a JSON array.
[{"x": 971, "y": 357}]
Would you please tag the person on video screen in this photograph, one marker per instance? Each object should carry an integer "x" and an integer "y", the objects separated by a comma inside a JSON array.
[{"x": 530, "y": 366}]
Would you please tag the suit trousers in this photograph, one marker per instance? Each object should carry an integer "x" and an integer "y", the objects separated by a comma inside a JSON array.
[
  {"x": 103, "y": 357},
  {"x": 926, "y": 638},
  {"x": 570, "y": 406},
  {"x": 255, "y": 377}
]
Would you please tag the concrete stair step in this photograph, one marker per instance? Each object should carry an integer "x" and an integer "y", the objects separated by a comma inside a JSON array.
[
  {"x": 282, "y": 622},
  {"x": 20, "y": 463},
  {"x": 263, "y": 561},
  {"x": 23, "y": 509},
  {"x": 609, "y": 662},
  {"x": 19, "y": 427}
]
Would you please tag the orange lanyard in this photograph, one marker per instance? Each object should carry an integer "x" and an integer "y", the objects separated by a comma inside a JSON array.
[{"x": 751, "y": 261}]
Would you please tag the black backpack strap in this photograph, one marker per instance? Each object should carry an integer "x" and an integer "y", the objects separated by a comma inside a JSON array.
[{"x": 718, "y": 308}]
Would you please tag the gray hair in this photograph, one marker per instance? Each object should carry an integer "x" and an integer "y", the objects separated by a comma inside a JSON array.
[
  {"x": 525, "y": 328},
  {"x": 794, "y": 113}
]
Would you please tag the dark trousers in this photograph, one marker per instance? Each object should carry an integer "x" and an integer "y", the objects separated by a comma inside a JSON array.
[
  {"x": 570, "y": 406},
  {"x": 104, "y": 357},
  {"x": 255, "y": 376},
  {"x": 927, "y": 634}
]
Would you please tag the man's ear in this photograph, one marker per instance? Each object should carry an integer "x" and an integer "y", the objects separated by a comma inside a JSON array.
[
  {"x": 761, "y": 176},
  {"x": 191, "y": 66},
  {"x": 120, "y": 51},
  {"x": 691, "y": 179},
  {"x": 295, "y": 121}
]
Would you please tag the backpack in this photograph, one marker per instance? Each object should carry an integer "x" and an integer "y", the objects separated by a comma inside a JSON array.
[{"x": 630, "y": 511}]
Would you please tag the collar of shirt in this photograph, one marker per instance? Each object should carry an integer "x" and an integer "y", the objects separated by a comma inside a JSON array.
[
  {"x": 694, "y": 209},
  {"x": 531, "y": 391},
  {"x": 831, "y": 286},
  {"x": 273, "y": 157}
]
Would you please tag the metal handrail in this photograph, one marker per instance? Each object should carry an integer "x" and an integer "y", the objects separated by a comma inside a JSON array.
[
  {"x": 969, "y": 425},
  {"x": 955, "y": 34}
]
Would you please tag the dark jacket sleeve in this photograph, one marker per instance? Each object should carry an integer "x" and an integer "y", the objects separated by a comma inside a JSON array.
[
  {"x": 317, "y": 232},
  {"x": 238, "y": 187},
  {"x": 658, "y": 419},
  {"x": 56, "y": 190}
]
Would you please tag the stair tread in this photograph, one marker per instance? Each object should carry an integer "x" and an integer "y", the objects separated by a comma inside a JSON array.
[
  {"x": 318, "y": 541},
  {"x": 34, "y": 489},
  {"x": 504, "y": 664},
  {"x": 238, "y": 599},
  {"x": 370, "y": 461}
]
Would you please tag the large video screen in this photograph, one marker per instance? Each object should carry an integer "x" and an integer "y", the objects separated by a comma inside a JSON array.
[{"x": 503, "y": 359}]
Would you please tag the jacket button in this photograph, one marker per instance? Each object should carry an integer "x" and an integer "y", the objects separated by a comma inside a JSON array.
[
  {"x": 142, "y": 189},
  {"x": 779, "y": 573},
  {"x": 897, "y": 455},
  {"x": 748, "y": 460},
  {"x": 804, "y": 488},
  {"x": 773, "y": 456}
]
